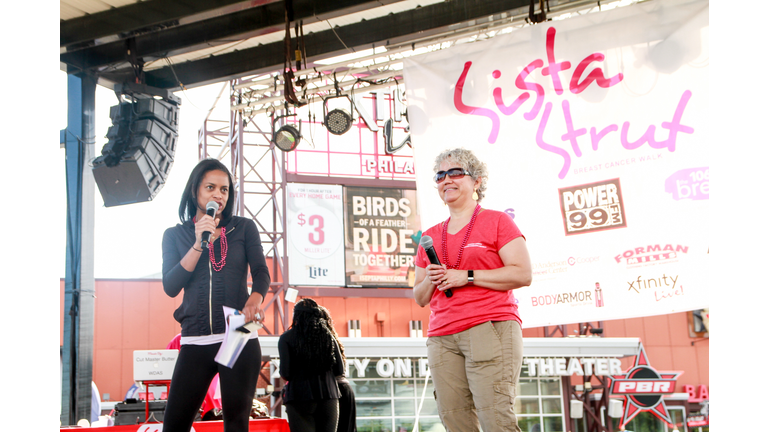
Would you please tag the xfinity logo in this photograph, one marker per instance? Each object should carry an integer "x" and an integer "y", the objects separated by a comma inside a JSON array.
[{"x": 641, "y": 284}]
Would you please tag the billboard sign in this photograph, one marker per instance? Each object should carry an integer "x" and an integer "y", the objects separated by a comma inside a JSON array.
[
  {"x": 382, "y": 233},
  {"x": 314, "y": 227}
]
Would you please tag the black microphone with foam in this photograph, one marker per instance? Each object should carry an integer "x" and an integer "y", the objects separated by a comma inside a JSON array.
[
  {"x": 426, "y": 243},
  {"x": 210, "y": 209}
]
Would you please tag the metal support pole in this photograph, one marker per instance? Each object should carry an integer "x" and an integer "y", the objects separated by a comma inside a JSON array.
[
  {"x": 565, "y": 385},
  {"x": 77, "y": 351},
  {"x": 259, "y": 172},
  {"x": 563, "y": 329}
]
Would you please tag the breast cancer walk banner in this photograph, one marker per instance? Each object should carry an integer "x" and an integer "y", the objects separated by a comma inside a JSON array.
[{"x": 595, "y": 130}]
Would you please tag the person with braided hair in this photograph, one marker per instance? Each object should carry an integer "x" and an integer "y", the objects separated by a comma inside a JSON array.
[
  {"x": 347, "y": 410},
  {"x": 310, "y": 360}
]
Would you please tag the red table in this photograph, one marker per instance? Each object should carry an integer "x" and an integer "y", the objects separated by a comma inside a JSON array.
[
  {"x": 258, "y": 425},
  {"x": 147, "y": 385}
]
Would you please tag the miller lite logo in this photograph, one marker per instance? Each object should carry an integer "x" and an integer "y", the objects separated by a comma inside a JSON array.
[{"x": 643, "y": 389}]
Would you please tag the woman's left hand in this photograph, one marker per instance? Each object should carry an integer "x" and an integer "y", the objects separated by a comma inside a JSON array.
[
  {"x": 252, "y": 309},
  {"x": 453, "y": 279}
]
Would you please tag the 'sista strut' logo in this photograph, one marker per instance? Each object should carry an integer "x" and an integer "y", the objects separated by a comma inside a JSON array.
[{"x": 643, "y": 389}]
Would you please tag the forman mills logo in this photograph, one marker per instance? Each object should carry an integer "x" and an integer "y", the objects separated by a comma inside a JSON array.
[
  {"x": 651, "y": 254},
  {"x": 592, "y": 207}
]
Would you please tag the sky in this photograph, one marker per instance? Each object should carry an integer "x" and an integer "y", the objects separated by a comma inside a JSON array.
[{"x": 128, "y": 238}]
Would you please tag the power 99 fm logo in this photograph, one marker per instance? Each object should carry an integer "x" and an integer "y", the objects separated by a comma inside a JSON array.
[{"x": 592, "y": 207}]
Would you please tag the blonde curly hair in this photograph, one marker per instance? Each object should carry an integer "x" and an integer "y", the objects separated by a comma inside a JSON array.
[{"x": 467, "y": 160}]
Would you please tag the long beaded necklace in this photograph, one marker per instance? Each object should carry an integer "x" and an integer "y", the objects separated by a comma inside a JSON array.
[
  {"x": 217, "y": 265},
  {"x": 463, "y": 243}
]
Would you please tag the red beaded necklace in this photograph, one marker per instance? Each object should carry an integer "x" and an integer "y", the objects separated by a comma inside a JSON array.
[
  {"x": 463, "y": 243},
  {"x": 217, "y": 265}
]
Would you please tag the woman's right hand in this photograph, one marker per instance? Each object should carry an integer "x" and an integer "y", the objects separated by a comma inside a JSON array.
[
  {"x": 427, "y": 279},
  {"x": 205, "y": 223},
  {"x": 190, "y": 260}
]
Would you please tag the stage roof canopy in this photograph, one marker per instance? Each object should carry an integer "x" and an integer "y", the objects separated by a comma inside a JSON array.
[{"x": 198, "y": 42}]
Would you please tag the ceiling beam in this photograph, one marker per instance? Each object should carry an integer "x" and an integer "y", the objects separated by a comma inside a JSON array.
[
  {"x": 133, "y": 17},
  {"x": 269, "y": 57},
  {"x": 218, "y": 30}
]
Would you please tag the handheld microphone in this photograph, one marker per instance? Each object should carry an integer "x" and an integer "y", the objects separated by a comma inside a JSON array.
[
  {"x": 210, "y": 209},
  {"x": 426, "y": 243}
]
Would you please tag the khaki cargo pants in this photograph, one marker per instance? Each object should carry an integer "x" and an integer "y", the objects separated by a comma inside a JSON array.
[{"x": 475, "y": 374}]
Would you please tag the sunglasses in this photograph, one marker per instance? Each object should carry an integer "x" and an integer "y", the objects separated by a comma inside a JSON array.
[{"x": 454, "y": 173}]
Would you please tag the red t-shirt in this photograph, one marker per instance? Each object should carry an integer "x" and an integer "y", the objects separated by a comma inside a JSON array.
[{"x": 472, "y": 305}]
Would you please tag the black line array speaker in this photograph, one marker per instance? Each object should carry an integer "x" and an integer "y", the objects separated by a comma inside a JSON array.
[{"x": 138, "y": 156}]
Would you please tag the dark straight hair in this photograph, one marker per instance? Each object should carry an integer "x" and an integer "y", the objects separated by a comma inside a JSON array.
[{"x": 188, "y": 206}]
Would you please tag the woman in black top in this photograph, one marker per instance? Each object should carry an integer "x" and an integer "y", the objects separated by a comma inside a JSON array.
[
  {"x": 310, "y": 360},
  {"x": 212, "y": 277},
  {"x": 347, "y": 410}
]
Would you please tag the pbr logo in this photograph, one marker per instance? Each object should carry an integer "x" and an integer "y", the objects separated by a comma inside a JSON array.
[{"x": 643, "y": 389}]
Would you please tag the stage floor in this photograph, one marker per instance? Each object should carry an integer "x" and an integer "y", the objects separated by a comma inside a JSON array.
[{"x": 258, "y": 425}]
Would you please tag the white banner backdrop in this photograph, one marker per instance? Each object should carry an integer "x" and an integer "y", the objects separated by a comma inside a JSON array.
[
  {"x": 595, "y": 131},
  {"x": 315, "y": 229}
]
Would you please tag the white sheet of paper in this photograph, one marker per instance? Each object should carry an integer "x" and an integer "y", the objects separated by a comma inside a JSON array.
[{"x": 234, "y": 341}]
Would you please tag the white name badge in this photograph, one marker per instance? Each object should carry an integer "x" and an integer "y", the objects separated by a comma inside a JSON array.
[{"x": 154, "y": 364}]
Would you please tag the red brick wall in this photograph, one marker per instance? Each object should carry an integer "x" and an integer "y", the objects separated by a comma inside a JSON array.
[{"x": 667, "y": 344}]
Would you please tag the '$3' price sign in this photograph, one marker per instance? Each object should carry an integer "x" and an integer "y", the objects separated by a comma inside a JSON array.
[
  {"x": 317, "y": 232},
  {"x": 317, "y": 236}
]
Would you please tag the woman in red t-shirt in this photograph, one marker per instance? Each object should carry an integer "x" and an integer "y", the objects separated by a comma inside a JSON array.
[{"x": 475, "y": 339}]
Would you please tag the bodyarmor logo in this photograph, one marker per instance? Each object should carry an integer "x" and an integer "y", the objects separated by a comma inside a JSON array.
[{"x": 643, "y": 389}]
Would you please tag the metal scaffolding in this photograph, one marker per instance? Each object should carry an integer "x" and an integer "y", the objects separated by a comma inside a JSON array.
[{"x": 258, "y": 167}]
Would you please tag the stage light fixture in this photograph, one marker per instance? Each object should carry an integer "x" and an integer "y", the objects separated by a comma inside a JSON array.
[
  {"x": 286, "y": 138},
  {"x": 338, "y": 120}
]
